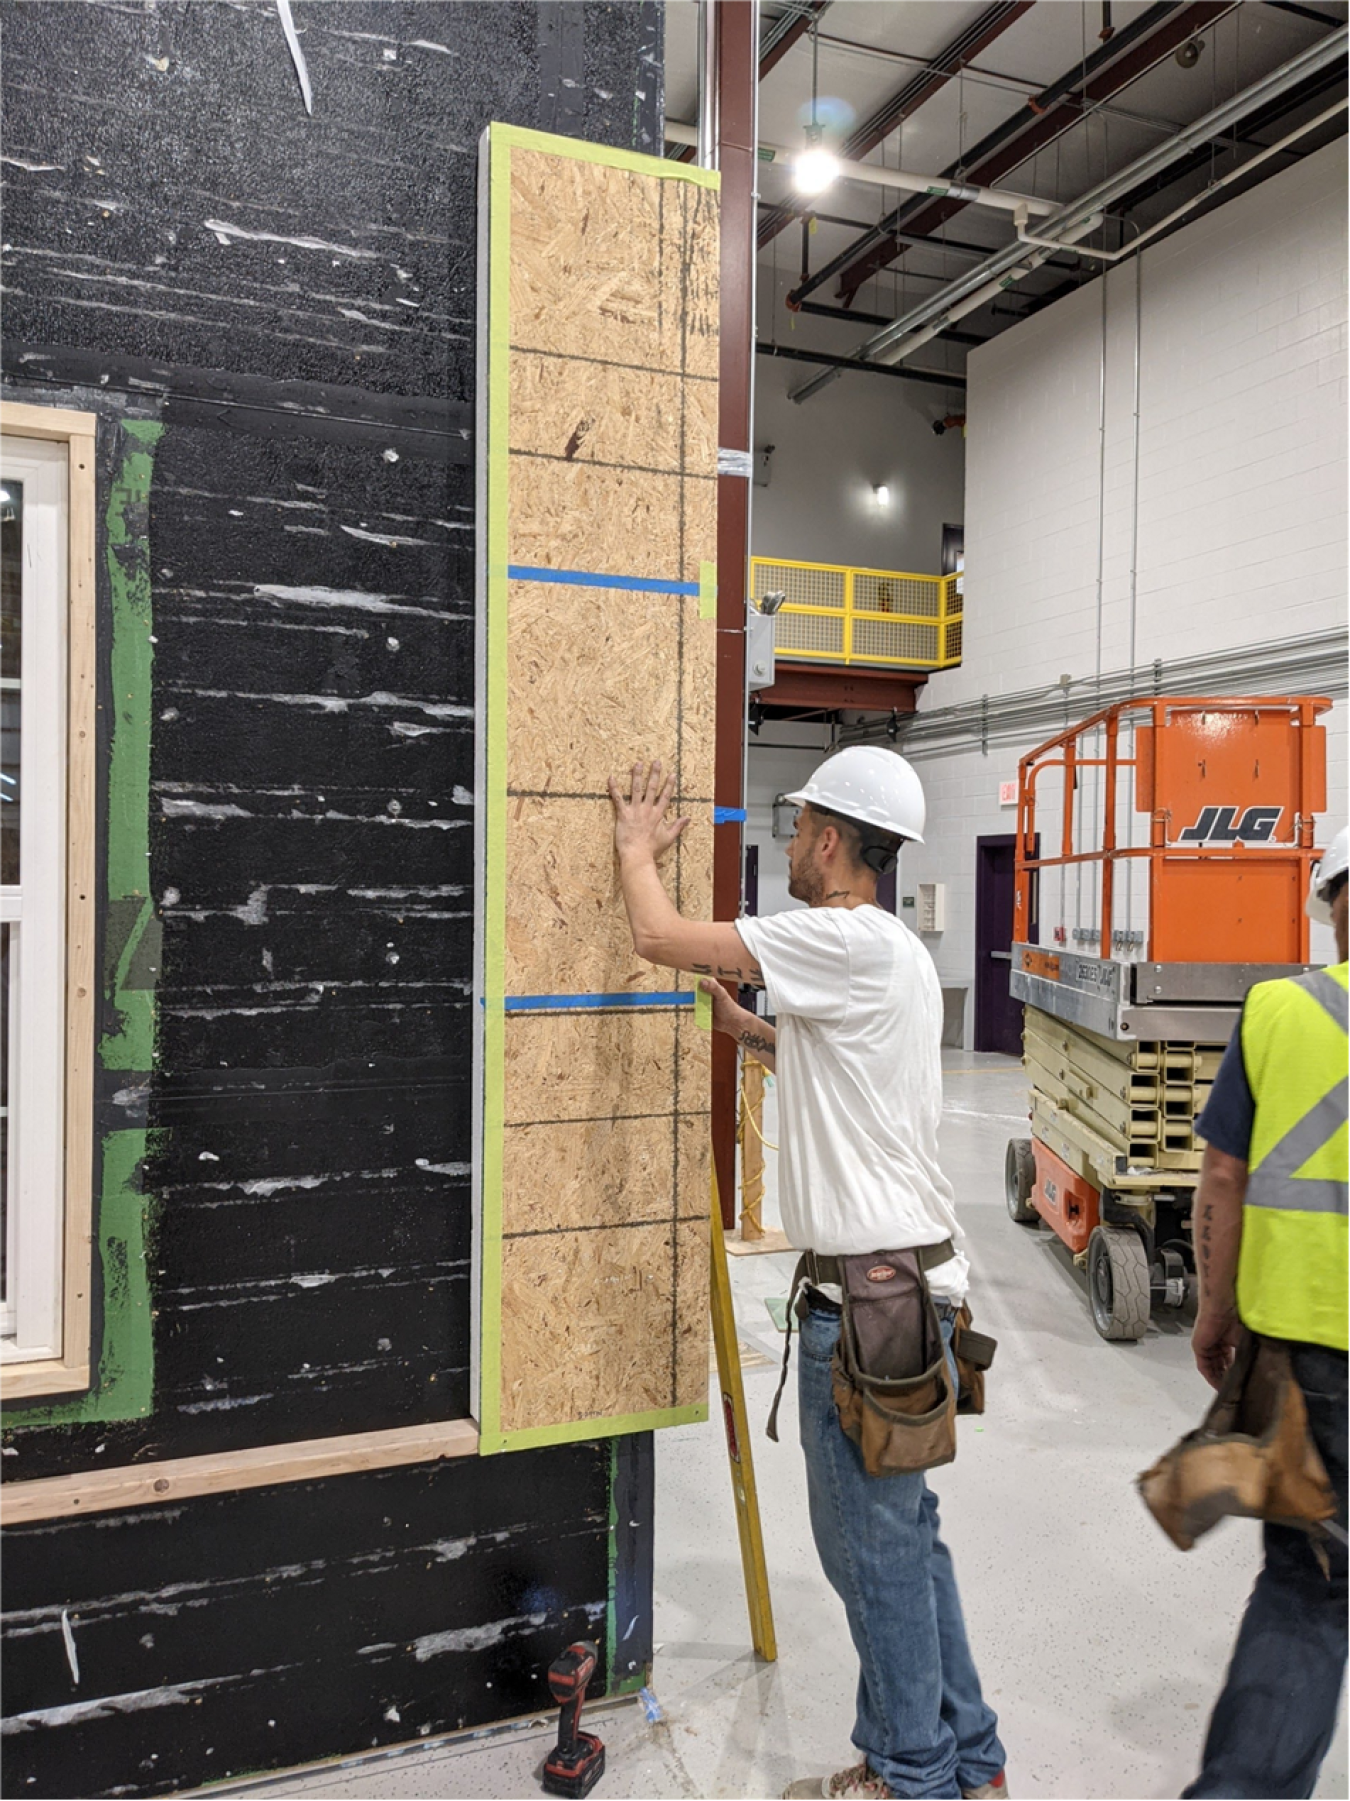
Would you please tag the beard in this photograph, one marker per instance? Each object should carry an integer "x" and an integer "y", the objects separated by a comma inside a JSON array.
[{"x": 806, "y": 885}]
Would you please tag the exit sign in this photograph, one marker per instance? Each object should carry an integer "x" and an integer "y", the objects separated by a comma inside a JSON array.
[{"x": 1007, "y": 794}]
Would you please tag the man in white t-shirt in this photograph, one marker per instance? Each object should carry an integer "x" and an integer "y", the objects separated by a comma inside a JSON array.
[{"x": 856, "y": 1050}]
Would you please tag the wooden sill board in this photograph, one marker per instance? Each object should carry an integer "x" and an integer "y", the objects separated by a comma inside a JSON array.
[{"x": 176, "y": 1479}]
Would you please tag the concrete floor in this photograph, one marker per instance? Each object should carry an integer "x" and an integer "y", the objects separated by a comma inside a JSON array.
[{"x": 1100, "y": 1645}]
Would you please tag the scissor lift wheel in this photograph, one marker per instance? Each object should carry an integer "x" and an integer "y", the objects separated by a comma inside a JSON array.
[
  {"x": 1119, "y": 1289},
  {"x": 1019, "y": 1178}
]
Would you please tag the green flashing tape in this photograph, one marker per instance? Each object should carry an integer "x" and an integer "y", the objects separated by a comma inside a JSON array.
[
  {"x": 131, "y": 667},
  {"x": 572, "y": 1432},
  {"x": 125, "y": 1383},
  {"x": 707, "y": 590},
  {"x": 702, "y": 1010},
  {"x": 523, "y": 138}
]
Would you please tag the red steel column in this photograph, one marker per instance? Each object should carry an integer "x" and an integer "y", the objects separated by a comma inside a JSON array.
[{"x": 737, "y": 74}]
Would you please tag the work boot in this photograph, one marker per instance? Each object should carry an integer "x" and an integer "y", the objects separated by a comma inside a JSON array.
[
  {"x": 997, "y": 1790},
  {"x": 858, "y": 1780}
]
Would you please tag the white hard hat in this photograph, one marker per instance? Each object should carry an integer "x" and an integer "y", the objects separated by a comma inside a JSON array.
[
  {"x": 869, "y": 784},
  {"x": 1335, "y": 861}
]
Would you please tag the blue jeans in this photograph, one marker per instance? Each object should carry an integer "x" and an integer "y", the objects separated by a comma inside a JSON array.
[
  {"x": 1273, "y": 1722},
  {"x": 922, "y": 1723}
]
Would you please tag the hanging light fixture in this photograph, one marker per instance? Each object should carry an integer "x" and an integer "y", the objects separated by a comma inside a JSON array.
[{"x": 814, "y": 168}]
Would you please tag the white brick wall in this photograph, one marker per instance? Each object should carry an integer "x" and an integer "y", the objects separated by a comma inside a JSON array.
[{"x": 1241, "y": 532}]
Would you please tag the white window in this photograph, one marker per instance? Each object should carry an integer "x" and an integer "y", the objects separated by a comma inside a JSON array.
[
  {"x": 46, "y": 896},
  {"x": 33, "y": 514}
]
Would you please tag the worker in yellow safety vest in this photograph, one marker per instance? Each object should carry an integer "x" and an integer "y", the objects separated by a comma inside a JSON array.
[{"x": 1270, "y": 1237}]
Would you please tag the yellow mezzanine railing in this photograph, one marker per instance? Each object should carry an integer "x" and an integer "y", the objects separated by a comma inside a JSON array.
[{"x": 836, "y": 614}]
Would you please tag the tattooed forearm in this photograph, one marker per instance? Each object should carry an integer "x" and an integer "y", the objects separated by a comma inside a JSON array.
[
  {"x": 756, "y": 1041},
  {"x": 1206, "y": 1239},
  {"x": 749, "y": 975}
]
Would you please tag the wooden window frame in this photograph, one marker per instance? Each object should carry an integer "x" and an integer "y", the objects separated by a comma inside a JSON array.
[{"x": 70, "y": 1371}]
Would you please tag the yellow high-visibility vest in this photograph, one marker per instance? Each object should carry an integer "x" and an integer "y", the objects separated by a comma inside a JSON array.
[{"x": 1292, "y": 1268}]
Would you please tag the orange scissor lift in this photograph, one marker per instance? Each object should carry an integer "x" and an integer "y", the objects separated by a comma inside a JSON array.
[{"x": 1197, "y": 814}]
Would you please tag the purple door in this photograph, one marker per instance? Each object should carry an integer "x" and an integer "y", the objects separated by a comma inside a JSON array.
[{"x": 998, "y": 1017}]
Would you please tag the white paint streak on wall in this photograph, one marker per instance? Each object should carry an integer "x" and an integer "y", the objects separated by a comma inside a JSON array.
[
  {"x": 201, "y": 809},
  {"x": 474, "y": 1638},
  {"x": 344, "y": 597},
  {"x": 72, "y": 1656},
  {"x": 225, "y": 231},
  {"x": 135, "y": 1701},
  {"x": 392, "y": 543},
  {"x": 339, "y": 703}
]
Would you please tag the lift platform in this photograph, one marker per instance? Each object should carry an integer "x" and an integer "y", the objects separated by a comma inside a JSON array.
[{"x": 1185, "y": 830}]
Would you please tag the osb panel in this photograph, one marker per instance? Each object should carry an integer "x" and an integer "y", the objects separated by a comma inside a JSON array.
[
  {"x": 619, "y": 650},
  {"x": 592, "y": 1173},
  {"x": 601, "y": 1338},
  {"x": 695, "y": 1141},
  {"x": 695, "y": 1050},
  {"x": 702, "y": 290},
  {"x": 696, "y": 871},
  {"x": 700, "y": 429},
  {"x": 691, "y": 1329},
  {"x": 566, "y": 928},
  {"x": 577, "y": 288},
  {"x": 605, "y": 521},
  {"x": 700, "y": 526},
  {"x": 594, "y": 413},
  {"x": 698, "y": 695},
  {"x": 560, "y": 1066},
  {"x": 613, "y": 414}
]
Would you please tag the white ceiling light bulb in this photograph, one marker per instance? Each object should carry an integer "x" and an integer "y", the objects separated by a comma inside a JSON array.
[
  {"x": 883, "y": 494},
  {"x": 814, "y": 168}
]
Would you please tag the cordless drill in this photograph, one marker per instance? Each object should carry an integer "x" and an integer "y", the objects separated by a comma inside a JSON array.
[{"x": 577, "y": 1762}]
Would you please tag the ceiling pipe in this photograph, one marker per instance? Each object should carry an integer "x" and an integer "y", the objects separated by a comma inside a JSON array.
[
  {"x": 703, "y": 137},
  {"x": 1206, "y": 193},
  {"x": 823, "y": 311},
  {"x": 986, "y": 277},
  {"x": 903, "y": 347},
  {"x": 938, "y": 186},
  {"x": 1106, "y": 71},
  {"x": 936, "y": 378}
]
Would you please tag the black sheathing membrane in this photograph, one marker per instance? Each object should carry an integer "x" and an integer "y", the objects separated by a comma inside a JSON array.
[{"x": 311, "y": 856}]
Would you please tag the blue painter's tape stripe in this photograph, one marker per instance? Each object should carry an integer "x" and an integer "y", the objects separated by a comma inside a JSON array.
[
  {"x": 728, "y": 815},
  {"x": 582, "y": 578},
  {"x": 569, "y": 1003}
]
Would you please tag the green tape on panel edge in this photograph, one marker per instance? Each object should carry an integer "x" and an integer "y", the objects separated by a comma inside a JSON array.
[
  {"x": 707, "y": 590},
  {"x": 572, "y": 1432},
  {"x": 124, "y": 1356}
]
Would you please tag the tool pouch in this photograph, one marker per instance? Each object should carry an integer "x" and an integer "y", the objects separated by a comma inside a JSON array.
[
  {"x": 890, "y": 1376},
  {"x": 1251, "y": 1456},
  {"x": 974, "y": 1352}
]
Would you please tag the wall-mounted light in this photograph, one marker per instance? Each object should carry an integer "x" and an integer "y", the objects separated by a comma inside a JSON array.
[{"x": 881, "y": 494}]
